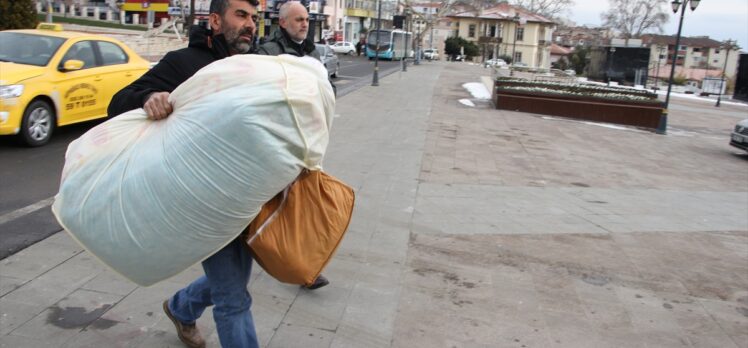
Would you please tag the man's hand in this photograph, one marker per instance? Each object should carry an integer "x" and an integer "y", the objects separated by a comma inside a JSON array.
[{"x": 157, "y": 106}]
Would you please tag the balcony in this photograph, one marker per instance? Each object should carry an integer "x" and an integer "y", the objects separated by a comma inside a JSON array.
[{"x": 489, "y": 40}]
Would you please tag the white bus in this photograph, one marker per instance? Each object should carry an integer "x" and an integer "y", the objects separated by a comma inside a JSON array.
[{"x": 391, "y": 44}]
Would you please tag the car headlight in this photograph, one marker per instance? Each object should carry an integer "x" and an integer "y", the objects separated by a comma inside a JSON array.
[{"x": 11, "y": 91}]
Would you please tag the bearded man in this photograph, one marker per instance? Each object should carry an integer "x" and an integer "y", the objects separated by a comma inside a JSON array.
[{"x": 224, "y": 285}]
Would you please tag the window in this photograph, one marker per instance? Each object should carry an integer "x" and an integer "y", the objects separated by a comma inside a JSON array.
[
  {"x": 81, "y": 51},
  {"x": 111, "y": 54},
  {"x": 520, "y": 34},
  {"x": 471, "y": 30},
  {"x": 517, "y": 57},
  {"x": 683, "y": 47},
  {"x": 493, "y": 31},
  {"x": 696, "y": 49},
  {"x": 716, "y": 51}
]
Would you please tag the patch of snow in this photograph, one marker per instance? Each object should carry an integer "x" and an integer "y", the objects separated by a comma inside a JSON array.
[
  {"x": 699, "y": 98},
  {"x": 467, "y": 102},
  {"x": 477, "y": 89},
  {"x": 599, "y": 124}
]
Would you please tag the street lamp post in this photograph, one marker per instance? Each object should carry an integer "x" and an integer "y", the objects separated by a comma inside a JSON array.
[
  {"x": 676, "y": 5},
  {"x": 728, "y": 46},
  {"x": 610, "y": 63},
  {"x": 514, "y": 45},
  {"x": 375, "y": 77},
  {"x": 660, "y": 50},
  {"x": 406, "y": 12}
]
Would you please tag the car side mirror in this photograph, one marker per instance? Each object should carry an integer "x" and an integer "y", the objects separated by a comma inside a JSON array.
[{"x": 72, "y": 65}]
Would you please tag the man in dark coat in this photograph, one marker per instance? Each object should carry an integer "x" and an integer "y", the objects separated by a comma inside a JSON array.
[
  {"x": 205, "y": 47},
  {"x": 291, "y": 38},
  {"x": 227, "y": 272}
]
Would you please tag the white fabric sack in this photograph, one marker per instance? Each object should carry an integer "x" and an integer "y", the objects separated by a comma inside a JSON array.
[{"x": 152, "y": 198}]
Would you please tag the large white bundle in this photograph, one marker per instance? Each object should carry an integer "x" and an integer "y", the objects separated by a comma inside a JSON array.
[{"x": 152, "y": 198}]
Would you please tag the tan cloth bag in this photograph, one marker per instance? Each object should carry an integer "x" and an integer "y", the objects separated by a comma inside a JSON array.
[{"x": 296, "y": 233}]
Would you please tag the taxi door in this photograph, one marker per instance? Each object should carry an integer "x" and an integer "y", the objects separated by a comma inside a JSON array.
[
  {"x": 79, "y": 91},
  {"x": 116, "y": 70}
]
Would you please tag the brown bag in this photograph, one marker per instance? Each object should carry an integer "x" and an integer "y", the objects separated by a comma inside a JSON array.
[{"x": 300, "y": 228}]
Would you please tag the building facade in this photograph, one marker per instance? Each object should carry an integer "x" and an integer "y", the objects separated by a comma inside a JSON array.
[
  {"x": 697, "y": 57},
  {"x": 506, "y": 30}
]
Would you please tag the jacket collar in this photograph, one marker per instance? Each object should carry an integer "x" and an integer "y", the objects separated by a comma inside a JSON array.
[{"x": 204, "y": 39}]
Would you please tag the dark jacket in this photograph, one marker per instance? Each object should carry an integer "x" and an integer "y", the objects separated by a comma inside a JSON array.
[
  {"x": 281, "y": 43},
  {"x": 175, "y": 68}
]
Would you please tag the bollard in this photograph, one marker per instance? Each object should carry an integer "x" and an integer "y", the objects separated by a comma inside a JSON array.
[
  {"x": 121, "y": 17},
  {"x": 97, "y": 13},
  {"x": 62, "y": 8},
  {"x": 38, "y": 7},
  {"x": 109, "y": 15},
  {"x": 135, "y": 18},
  {"x": 72, "y": 10}
]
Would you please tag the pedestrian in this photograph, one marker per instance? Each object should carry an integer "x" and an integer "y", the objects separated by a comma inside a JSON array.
[
  {"x": 227, "y": 272},
  {"x": 291, "y": 35},
  {"x": 291, "y": 38}
]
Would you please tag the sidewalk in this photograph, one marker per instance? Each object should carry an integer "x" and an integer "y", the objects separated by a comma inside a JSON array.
[{"x": 473, "y": 227}]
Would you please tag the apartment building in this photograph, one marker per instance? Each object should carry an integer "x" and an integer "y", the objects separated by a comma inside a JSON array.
[
  {"x": 361, "y": 16},
  {"x": 504, "y": 29},
  {"x": 697, "y": 57}
]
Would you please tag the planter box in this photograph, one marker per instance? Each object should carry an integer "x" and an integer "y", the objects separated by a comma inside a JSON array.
[{"x": 625, "y": 112}]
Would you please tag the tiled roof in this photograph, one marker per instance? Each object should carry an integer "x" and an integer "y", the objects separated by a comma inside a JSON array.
[
  {"x": 701, "y": 41},
  {"x": 502, "y": 11},
  {"x": 559, "y": 51}
]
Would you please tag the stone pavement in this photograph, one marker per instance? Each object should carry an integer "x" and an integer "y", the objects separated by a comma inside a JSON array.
[{"x": 473, "y": 227}]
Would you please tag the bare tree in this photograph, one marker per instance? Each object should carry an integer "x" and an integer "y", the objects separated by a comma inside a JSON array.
[
  {"x": 634, "y": 17},
  {"x": 546, "y": 8}
]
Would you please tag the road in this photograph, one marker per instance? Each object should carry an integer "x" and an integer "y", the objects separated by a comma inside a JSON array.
[{"x": 31, "y": 175}]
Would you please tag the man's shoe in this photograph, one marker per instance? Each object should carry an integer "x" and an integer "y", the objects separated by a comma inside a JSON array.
[
  {"x": 188, "y": 334},
  {"x": 318, "y": 283}
]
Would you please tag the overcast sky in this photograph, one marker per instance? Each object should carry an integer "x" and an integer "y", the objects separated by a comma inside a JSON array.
[{"x": 719, "y": 19}]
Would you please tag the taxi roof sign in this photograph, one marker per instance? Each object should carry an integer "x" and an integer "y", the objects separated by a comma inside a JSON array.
[{"x": 50, "y": 26}]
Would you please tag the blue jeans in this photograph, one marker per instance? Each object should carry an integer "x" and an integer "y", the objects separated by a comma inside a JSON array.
[{"x": 225, "y": 286}]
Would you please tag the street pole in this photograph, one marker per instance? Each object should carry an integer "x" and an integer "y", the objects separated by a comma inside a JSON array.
[
  {"x": 659, "y": 62},
  {"x": 375, "y": 77},
  {"x": 677, "y": 5},
  {"x": 724, "y": 71},
  {"x": 610, "y": 63},
  {"x": 405, "y": 39},
  {"x": 49, "y": 11}
]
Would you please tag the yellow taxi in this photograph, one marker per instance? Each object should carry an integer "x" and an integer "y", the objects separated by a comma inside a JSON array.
[{"x": 50, "y": 77}]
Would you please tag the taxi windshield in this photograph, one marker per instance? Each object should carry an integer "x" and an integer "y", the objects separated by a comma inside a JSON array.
[{"x": 22, "y": 48}]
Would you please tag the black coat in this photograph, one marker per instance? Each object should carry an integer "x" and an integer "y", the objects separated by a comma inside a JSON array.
[
  {"x": 281, "y": 43},
  {"x": 175, "y": 68}
]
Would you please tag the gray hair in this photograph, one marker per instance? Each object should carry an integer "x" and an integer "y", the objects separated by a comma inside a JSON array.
[
  {"x": 283, "y": 11},
  {"x": 220, "y": 6}
]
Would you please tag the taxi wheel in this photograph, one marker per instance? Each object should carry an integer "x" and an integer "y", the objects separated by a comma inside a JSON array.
[{"x": 38, "y": 124}]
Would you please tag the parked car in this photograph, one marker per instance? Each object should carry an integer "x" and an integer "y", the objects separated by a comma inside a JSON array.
[
  {"x": 494, "y": 62},
  {"x": 52, "y": 77},
  {"x": 739, "y": 136},
  {"x": 344, "y": 48},
  {"x": 329, "y": 59},
  {"x": 431, "y": 54},
  {"x": 570, "y": 72},
  {"x": 520, "y": 64}
]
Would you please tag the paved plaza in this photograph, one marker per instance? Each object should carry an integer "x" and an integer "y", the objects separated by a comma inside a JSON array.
[{"x": 473, "y": 227}]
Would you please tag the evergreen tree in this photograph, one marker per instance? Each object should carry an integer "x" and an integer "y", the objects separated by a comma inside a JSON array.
[{"x": 17, "y": 14}]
